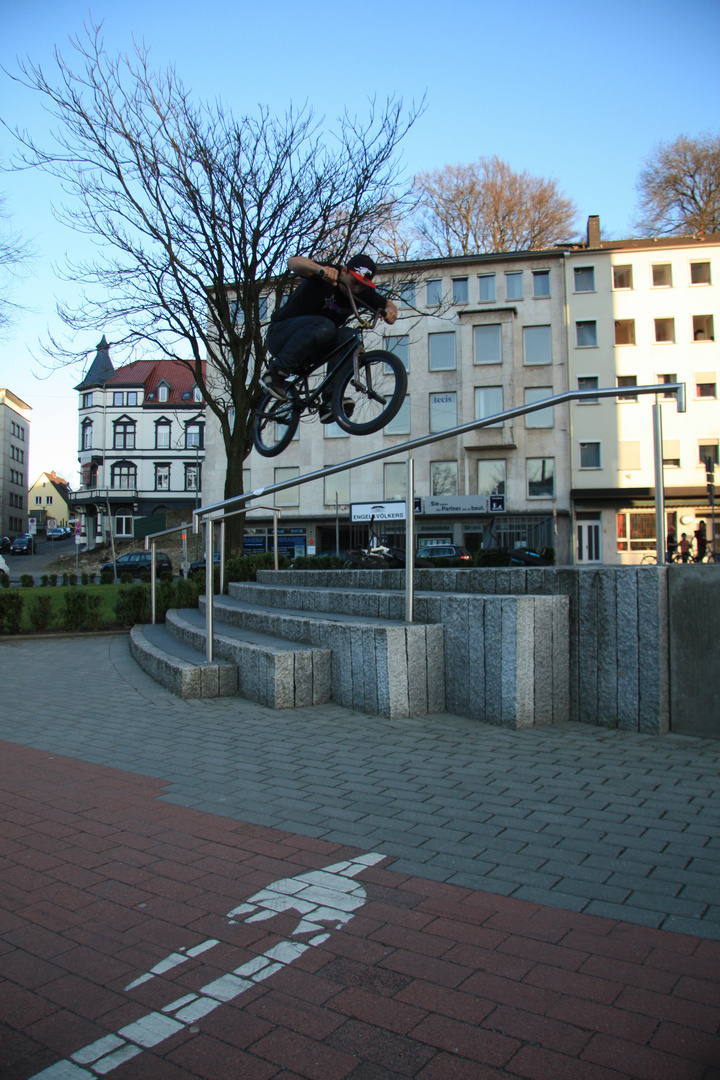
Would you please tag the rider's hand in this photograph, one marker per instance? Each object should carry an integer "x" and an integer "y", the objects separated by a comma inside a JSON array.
[
  {"x": 390, "y": 313},
  {"x": 330, "y": 274}
]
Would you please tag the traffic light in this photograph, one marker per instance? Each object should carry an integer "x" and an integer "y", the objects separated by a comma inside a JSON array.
[{"x": 710, "y": 475}]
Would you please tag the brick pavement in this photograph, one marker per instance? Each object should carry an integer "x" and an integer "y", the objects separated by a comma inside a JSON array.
[{"x": 145, "y": 939}]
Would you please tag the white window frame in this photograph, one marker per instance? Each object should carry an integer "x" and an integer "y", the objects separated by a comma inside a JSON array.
[
  {"x": 497, "y": 339},
  {"x": 290, "y": 496},
  {"x": 490, "y": 279},
  {"x": 529, "y": 334},
  {"x": 543, "y": 495},
  {"x": 543, "y": 418},
  {"x": 484, "y": 405},
  {"x": 440, "y": 472},
  {"x": 541, "y": 275},
  {"x": 585, "y": 444},
  {"x": 438, "y": 364},
  {"x": 513, "y": 276},
  {"x": 577, "y": 272}
]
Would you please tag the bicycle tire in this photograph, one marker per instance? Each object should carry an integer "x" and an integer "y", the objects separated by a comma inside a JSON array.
[
  {"x": 650, "y": 560},
  {"x": 376, "y": 398},
  {"x": 274, "y": 424}
]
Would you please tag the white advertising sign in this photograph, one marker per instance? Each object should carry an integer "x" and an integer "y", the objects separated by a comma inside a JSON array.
[
  {"x": 380, "y": 511},
  {"x": 455, "y": 504}
]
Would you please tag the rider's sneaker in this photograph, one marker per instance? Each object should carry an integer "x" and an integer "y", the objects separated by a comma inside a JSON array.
[
  {"x": 326, "y": 414},
  {"x": 274, "y": 384}
]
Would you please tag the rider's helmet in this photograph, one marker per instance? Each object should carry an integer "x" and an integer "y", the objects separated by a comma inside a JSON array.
[{"x": 363, "y": 265}]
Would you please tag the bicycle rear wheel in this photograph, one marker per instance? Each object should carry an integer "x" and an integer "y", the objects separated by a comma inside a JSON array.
[
  {"x": 650, "y": 559},
  {"x": 274, "y": 424},
  {"x": 362, "y": 406}
]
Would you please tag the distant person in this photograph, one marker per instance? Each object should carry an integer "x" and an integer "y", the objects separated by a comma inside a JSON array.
[
  {"x": 672, "y": 543},
  {"x": 701, "y": 541},
  {"x": 684, "y": 546}
]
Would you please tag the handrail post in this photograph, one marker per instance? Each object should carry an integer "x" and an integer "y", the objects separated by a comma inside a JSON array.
[
  {"x": 410, "y": 539},
  {"x": 209, "y": 589},
  {"x": 152, "y": 583},
  {"x": 659, "y": 484},
  {"x": 222, "y": 556},
  {"x": 275, "y": 536}
]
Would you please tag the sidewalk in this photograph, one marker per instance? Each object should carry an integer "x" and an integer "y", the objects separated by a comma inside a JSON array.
[{"x": 136, "y": 825}]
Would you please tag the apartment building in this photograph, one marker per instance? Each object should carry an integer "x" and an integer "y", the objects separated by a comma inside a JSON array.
[
  {"x": 49, "y": 500},
  {"x": 478, "y": 335},
  {"x": 641, "y": 312},
  {"x": 14, "y": 462},
  {"x": 141, "y": 443}
]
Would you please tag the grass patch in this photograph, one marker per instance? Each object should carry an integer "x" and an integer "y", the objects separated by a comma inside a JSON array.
[{"x": 108, "y": 598}]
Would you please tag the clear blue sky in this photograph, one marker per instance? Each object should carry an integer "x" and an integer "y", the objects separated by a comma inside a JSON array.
[{"x": 577, "y": 92}]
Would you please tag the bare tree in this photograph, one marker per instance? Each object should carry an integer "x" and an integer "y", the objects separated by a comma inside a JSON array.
[
  {"x": 679, "y": 188},
  {"x": 194, "y": 213},
  {"x": 485, "y": 207},
  {"x": 15, "y": 252}
]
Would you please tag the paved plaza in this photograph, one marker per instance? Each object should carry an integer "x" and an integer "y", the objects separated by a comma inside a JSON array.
[{"x": 212, "y": 888}]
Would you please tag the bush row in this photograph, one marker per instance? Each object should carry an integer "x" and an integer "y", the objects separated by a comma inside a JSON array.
[{"x": 81, "y": 609}]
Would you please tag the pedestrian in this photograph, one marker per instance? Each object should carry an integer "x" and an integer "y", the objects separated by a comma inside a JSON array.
[
  {"x": 684, "y": 546},
  {"x": 701, "y": 540},
  {"x": 672, "y": 543}
]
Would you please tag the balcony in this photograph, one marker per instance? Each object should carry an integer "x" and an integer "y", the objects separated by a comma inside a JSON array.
[{"x": 88, "y": 496}]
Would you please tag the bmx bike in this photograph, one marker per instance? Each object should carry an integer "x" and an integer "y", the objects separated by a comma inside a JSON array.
[{"x": 366, "y": 391}]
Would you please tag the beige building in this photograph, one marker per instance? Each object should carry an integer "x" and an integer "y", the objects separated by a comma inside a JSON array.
[
  {"x": 49, "y": 502},
  {"x": 641, "y": 312},
  {"x": 14, "y": 462},
  {"x": 478, "y": 335}
]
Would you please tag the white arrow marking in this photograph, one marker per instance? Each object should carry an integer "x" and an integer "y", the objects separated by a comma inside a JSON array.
[{"x": 319, "y": 897}]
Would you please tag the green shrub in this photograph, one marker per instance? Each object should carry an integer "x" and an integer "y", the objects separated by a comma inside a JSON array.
[
  {"x": 492, "y": 557},
  {"x": 126, "y": 578},
  {"x": 145, "y": 576},
  {"x": 106, "y": 577},
  {"x": 4, "y": 580},
  {"x": 26, "y": 581},
  {"x": 133, "y": 605},
  {"x": 245, "y": 567},
  {"x": 85, "y": 579},
  {"x": 186, "y": 593},
  {"x": 94, "y": 603},
  {"x": 322, "y": 562},
  {"x": 44, "y": 581},
  {"x": 53, "y": 580},
  {"x": 11, "y": 607},
  {"x": 75, "y": 612},
  {"x": 548, "y": 553},
  {"x": 65, "y": 578},
  {"x": 165, "y": 575},
  {"x": 40, "y": 613}
]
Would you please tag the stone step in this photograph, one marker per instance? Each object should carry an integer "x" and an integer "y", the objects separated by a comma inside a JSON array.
[
  {"x": 179, "y": 667},
  {"x": 271, "y": 671},
  {"x": 379, "y": 665}
]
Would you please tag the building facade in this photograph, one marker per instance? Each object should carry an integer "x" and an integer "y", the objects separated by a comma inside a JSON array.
[
  {"x": 641, "y": 312},
  {"x": 49, "y": 501},
  {"x": 14, "y": 463},
  {"x": 141, "y": 443}
]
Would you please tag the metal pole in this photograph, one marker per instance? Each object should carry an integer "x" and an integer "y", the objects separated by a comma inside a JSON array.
[
  {"x": 152, "y": 583},
  {"x": 222, "y": 557},
  {"x": 410, "y": 539},
  {"x": 337, "y": 527},
  {"x": 209, "y": 591},
  {"x": 275, "y": 538},
  {"x": 659, "y": 483}
]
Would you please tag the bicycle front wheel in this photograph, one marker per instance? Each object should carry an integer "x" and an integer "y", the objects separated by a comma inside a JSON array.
[
  {"x": 366, "y": 404},
  {"x": 650, "y": 559},
  {"x": 274, "y": 424}
]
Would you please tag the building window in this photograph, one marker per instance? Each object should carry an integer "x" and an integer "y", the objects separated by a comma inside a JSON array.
[
  {"x": 627, "y": 380},
  {"x": 123, "y": 475},
  {"x": 132, "y": 398},
  {"x": 337, "y": 489},
  {"x": 194, "y": 436},
  {"x": 541, "y": 284},
  {"x": 263, "y": 308},
  {"x": 589, "y": 455},
  {"x": 87, "y": 400},
  {"x": 636, "y": 530},
  {"x": 48, "y": 500},
  {"x": 407, "y": 294},
  {"x": 124, "y": 435},
  {"x": 543, "y": 418},
  {"x": 663, "y": 379},
  {"x": 162, "y": 436},
  {"x": 330, "y": 431},
  {"x": 584, "y": 279},
  {"x": 193, "y": 476},
  {"x": 488, "y": 344},
  {"x": 703, "y": 328},
  {"x": 700, "y": 273},
  {"x": 434, "y": 293},
  {"x": 514, "y": 286},
  {"x": 395, "y": 481},
  {"x": 291, "y": 495},
  {"x": 118, "y": 398},
  {"x": 622, "y": 277},
  {"x": 442, "y": 351},
  {"x": 662, "y": 275},
  {"x": 162, "y": 477},
  {"x": 708, "y": 449},
  {"x": 460, "y": 290},
  {"x": 443, "y": 477},
  {"x": 705, "y": 386},
  {"x": 87, "y": 435},
  {"x": 486, "y": 288},
  {"x": 400, "y": 346},
  {"x": 624, "y": 331},
  {"x": 537, "y": 345},
  {"x": 588, "y": 382},
  {"x": 541, "y": 478},
  {"x": 664, "y": 331},
  {"x": 671, "y": 453},
  {"x": 400, "y": 423},
  {"x": 38, "y": 500},
  {"x": 123, "y": 525},
  {"x": 197, "y": 394},
  {"x": 443, "y": 411},
  {"x": 488, "y": 401},
  {"x": 586, "y": 334}
]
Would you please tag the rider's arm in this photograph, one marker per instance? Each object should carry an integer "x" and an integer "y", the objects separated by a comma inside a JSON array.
[{"x": 306, "y": 268}]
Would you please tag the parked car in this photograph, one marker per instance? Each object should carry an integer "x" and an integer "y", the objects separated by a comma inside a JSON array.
[
  {"x": 58, "y": 533},
  {"x": 139, "y": 562},
  {"x": 4, "y": 566},
  {"x": 23, "y": 545},
  {"x": 444, "y": 551},
  {"x": 5, "y": 544},
  {"x": 199, "y": 564}
]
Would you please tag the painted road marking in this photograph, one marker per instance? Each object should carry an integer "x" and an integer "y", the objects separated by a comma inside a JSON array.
[{"x": 318, "y": 897}]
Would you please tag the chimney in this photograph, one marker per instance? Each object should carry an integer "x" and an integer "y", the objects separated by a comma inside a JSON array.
[{"x": 593, "y": 231}]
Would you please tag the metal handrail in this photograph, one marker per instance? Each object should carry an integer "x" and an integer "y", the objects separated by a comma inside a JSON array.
[{"x": 676, "y": 388}]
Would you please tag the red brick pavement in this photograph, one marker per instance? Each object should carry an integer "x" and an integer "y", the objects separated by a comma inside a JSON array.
[{"x": 100, "y": 881}]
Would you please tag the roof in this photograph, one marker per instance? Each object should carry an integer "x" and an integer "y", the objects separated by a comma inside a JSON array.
[
  {"x": 149, "y": 374},
  {"x": 60, "y": 485},
  {"x": 101, "y": 368}
]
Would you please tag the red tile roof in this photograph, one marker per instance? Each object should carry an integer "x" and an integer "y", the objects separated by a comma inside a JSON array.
[{"x": 150, "y": 373}]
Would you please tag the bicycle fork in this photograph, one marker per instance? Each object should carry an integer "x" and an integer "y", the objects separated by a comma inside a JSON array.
[{"x": 357, "y": 382}]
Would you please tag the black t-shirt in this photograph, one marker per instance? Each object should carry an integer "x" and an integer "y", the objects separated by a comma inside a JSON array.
[{"x": 318, "y": 296}]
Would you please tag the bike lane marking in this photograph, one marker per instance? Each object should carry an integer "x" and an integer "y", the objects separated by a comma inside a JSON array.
[{"x": 319, "y": 897}]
